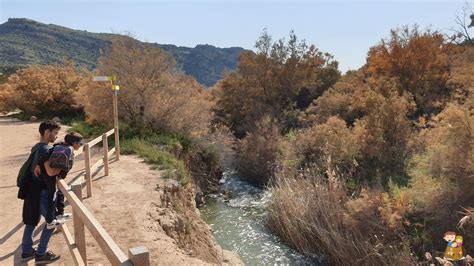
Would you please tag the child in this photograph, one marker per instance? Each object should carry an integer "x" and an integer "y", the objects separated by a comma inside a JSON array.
[{"x": 57, "y": 166}]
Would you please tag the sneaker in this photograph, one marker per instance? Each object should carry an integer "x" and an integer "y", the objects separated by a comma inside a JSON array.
[
  {"x": 64, "y": 216},
  {"x": 47, "y": 258},
  {"x": 29, "y": 255},
  {"x": 55, "y": 224}
]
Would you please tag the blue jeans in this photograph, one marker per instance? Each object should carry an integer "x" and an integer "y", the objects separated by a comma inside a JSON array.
[{"x": 27, "y": 241}]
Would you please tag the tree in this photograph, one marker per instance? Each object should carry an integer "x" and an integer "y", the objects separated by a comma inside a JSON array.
[
  {"x": 419, "y": 61},
  {"x": 44, "y": 90},
  {"x": 464, "y": 20},
  {"x": 281, "y": 77},
  {"x": 140, "y": 69},
  {"x": 153, "y": 93},
  {"x": 339, "y": 100}
]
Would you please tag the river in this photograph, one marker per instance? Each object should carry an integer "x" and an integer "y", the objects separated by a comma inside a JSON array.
[{"x": 237, "y": 217}]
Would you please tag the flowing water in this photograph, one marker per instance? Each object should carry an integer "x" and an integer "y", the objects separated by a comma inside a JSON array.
[{"x": 237, "y": 218}]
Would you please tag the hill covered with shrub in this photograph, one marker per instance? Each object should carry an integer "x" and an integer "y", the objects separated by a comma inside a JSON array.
[{"x": 27, "y": 42}]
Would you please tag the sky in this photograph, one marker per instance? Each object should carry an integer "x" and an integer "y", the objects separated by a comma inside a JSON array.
[{"x": 345, "y": 29}]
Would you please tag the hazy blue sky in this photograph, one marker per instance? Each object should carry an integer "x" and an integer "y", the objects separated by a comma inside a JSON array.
[{"x": 346, "y": 29}]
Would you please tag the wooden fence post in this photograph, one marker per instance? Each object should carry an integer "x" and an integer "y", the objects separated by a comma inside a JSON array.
[
  {"x": 105, "y": 147},
  {"x": 139, "y": 256},
  {"x": 79, "y": 233},
  {"x": 117, "y": 143},
  {"x": 87, "y": 161},
  {"x": 116, "y": 125}
]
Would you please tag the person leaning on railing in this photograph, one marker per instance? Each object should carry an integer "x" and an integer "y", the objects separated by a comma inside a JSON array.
[{"x": 57, "y": 165}]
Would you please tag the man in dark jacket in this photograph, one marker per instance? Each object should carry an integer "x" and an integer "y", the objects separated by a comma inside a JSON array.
[{"x": 36, "y": 201}]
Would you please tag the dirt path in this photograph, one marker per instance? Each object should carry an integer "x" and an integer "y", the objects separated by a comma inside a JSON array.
[{"x": 121, "y": 202}]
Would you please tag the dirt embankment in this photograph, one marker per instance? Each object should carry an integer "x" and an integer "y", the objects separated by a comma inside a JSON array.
[{"x": 134, "y": 205}]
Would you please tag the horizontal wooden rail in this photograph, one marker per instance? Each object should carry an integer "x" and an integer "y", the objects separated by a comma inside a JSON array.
[
  {"x": 97, "y": 164},
  {"x": 94, "y": 142},
  {"x": 78, "y": 152},
  {"x": 110, "y": 248},
  {"x": 112, "y": 151},
  {"x": 72, "y": 246},
  {"x": 110, "y": 132}
]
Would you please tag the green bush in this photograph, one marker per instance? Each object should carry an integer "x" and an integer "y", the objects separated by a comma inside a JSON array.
[
  {"x": 88, "y": 130},
  {"x": 161, "y": 159}
]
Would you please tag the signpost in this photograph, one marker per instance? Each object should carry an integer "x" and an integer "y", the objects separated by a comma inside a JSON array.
[
  {"x": 115, "y": 90},
  {"x": 102, "y": 78}
]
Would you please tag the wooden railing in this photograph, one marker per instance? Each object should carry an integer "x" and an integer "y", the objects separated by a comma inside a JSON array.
[
  {"x": 86, "y": 149},
  {"x": 83, "y": 218}
]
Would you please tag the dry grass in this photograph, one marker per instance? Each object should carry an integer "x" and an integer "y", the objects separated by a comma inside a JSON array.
[{"x": 310, "y": 218}]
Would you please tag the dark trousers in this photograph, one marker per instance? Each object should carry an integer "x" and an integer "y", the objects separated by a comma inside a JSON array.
[
  {"x": 50, "y": 182},
  {"x": 59, "y": 203}
]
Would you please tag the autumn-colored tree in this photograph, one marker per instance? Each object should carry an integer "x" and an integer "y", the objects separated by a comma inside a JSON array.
[
  {"x": 43, "y": 90},
  {"x": 419, "y": 61},
  {"x": 152, "y": 92},
  {"x": 280, "y": 77},
  {"x": 339, "y": 100},
  {"x": 461, "y": 80},
  {"x": 6, "y": 94},
  {"x": 180, "y": 107}
]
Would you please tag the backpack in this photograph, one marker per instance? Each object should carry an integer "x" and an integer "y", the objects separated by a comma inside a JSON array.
[
  {"x": 61, "y": 157},
  {"x": 25, "y": 170}
]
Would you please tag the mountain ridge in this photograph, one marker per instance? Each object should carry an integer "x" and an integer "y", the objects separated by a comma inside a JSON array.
[{"x": 26, "y": 42}]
